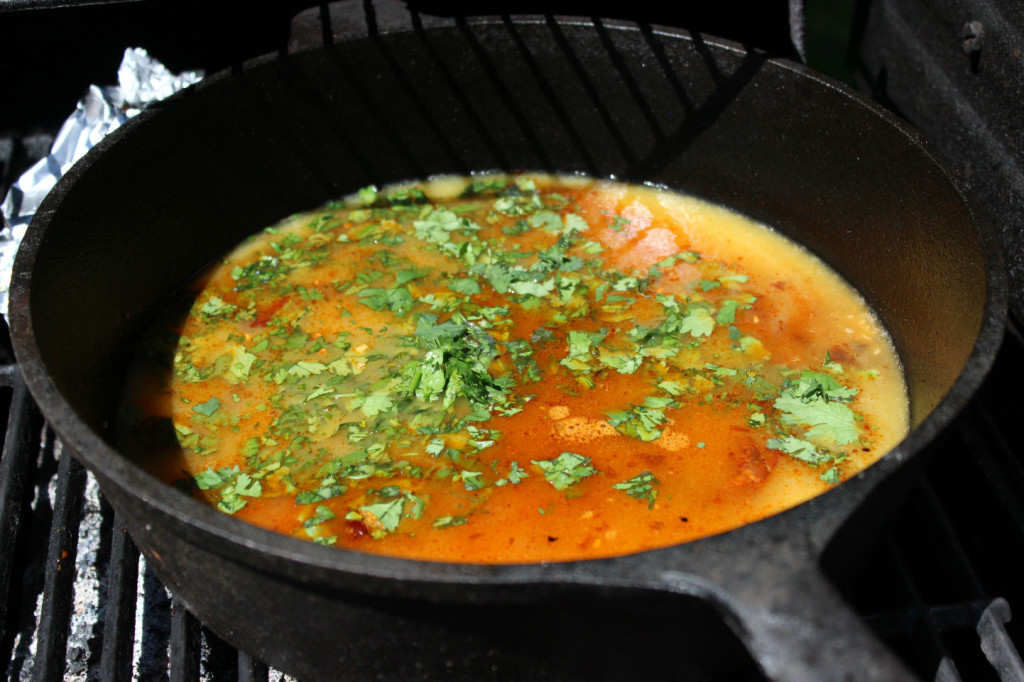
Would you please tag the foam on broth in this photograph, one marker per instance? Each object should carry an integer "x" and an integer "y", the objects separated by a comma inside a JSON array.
[{"x": 540, "y": 368}]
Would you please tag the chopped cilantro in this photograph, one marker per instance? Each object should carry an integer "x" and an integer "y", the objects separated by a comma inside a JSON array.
[
  {"x": 406, "y": 197},
  {"x": 472, "y": 480},
  {"x": 368, "y": 194},
  {"x": 375, "y": 403},
  {"x": 464, "y": 286},
  {"x": 449, "y": 521},
  {"x": 642, "y": 421},
  {"x": 831, "y": 476},
  {"x": 207, "y": 479},
  {"x": 248, "y": 486},
  {"x": 516, "y": 474},
  {"x": 618, "y": 223},
  {"x": 322, "y": 514},
  {"x": 438, "y": 226},
  {"x": 831, "y": 365},
  {"x": 208, "y": 408},
  {"x": 408, "y": 275},
  {"x": 397, "y": 300},
  {"x": 258, "y": 273},
  {"x": 640, "y": 487},
  {"x": 800, "y": 449},
  {"x": 727, "y": 313},
  {"x": 216, "y": 307},
  {"x": 697, "y": 322},
  {"x": 566, "y": 469},
  {"x": 387, "y": 514},
  {"x": 828, "y": 420}
]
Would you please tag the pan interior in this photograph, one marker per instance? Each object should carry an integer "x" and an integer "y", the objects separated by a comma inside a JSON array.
[{"x": 181, "y": 185}]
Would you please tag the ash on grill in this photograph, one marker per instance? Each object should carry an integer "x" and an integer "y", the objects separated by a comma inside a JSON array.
[{"x": 78, "y": 603}]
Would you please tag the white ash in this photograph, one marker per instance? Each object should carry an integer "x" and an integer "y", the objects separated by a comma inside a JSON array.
[
  {"x": 86, "y": 623},
  {"x": 151, "y": 654}
]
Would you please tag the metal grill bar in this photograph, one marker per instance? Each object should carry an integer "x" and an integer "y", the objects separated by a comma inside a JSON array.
[
  {"x": 953, "y": 549},
  {"x": 250, "y": 670},
  {"x": 996, "y": 642},
  {"x": 119, "y": 624},
  {"x": 184, "y": 644},
  {"x": 21, "y": 444},
  {"x": 1003, "y": 468},
  {"x": 51, "y": 645}
]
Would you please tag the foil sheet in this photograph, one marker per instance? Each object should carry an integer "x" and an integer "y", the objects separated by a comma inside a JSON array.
[{"x": 141, "y": 80}]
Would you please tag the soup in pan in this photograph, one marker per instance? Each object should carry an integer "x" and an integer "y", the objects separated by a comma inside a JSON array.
[{"x": 510, "y": 369}]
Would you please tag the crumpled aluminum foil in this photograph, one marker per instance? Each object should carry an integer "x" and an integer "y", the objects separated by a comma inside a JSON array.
[{"x": 141, "y": 80}]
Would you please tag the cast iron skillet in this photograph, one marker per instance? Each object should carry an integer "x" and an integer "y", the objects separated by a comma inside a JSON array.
[{"x": 180, "y": 184}]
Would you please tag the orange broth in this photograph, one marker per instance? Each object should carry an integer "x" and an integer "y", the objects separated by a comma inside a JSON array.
[{"x": 513, "y": 369}]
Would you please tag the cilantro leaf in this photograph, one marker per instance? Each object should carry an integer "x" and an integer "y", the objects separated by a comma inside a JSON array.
[
  {"x": 325, "y": 492},
  {"x": 322, "y": 514},
  {"x": 640, "y": 487},
  {"x": 388, "y": 514},
  {"x": 642, "y": 421},
  {"x": 397, "y": 300},
  {"x": 375, "y": 403},
  {"x": 217, "y": 307},
  {"x": 437, "y": 335},
  {"x": 464, "y": 286},
  {"x": 831, "y": 365},
  {"x": 580, "y": 344},
  {"x": 208, "y": 408},
  {"x": 240, "y": 365},
  {"x": 435, "y": 447},
  {"x": 549, "y": 220},
  {"x": 819, "y": 383},
  {"x": 248, "y": 486},
  {"x": 207, "y": 479},
  {"x": 566, "y": 469},
  {"x": 438, "y": 226},
  {"x": 800, "y": 449},
  {"x": 697, "y": 322},
  {"x": 516, "y": 474},
  {"x": 575, "y": 224},
  {"x": 472, "y": 480},
  {"x": 621, "y": 362},
  {"x": 727, "y": 313},
  {"x": 403, "y": 276},
  {"x": 406, "y": 197},
  {"x": 259, "y": 272},
  {"x": 527, "y": 288},
  {"x": 829, "y": 420},
  {"x": 229, "y": 504},
  {"x": 449, "y": 521},
  {"x": 305, "y": 368},
  {"x": 368, "y": 194}
]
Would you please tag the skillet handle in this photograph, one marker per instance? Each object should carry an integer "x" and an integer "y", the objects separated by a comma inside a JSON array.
[{"x": 801, "y": 628}]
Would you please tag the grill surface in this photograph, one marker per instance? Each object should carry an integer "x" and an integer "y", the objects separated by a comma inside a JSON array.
[{"x": 76, "y": 601}]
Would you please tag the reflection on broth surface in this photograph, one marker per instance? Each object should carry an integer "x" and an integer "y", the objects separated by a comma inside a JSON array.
[{"x": 513, "y": 369}]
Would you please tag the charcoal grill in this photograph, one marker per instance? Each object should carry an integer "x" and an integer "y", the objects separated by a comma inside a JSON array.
[{"x": 941, "y": 588}]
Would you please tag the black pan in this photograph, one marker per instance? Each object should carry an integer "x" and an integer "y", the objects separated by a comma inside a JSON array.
[{"x": 181, "y": 183}]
